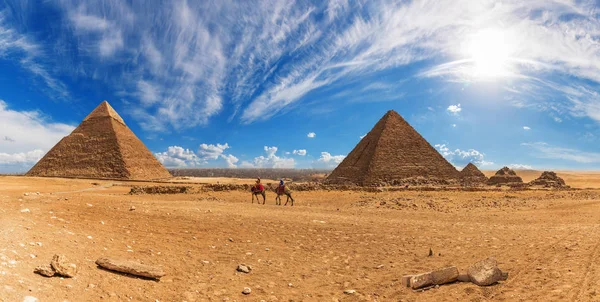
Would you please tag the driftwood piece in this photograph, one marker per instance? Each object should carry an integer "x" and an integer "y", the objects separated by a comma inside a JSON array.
[{"x": 131, "y": 267}]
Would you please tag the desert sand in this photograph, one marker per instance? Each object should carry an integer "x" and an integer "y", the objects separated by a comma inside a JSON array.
[{"x": 329, "y": 242}]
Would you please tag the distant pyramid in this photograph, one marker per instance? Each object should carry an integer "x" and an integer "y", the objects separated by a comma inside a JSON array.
[
  {"x": 548, "y": 179},
  {"x": 471, "y": 174},
  {"x": 102, "y": 146},
  {"x": 505, "y": 176},
  {"x": 390, "y": 152}
]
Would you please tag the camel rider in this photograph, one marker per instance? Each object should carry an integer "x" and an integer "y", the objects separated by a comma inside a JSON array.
[
  {"x": 258, "y": 187},
  {"x": 281, "y": 188}
]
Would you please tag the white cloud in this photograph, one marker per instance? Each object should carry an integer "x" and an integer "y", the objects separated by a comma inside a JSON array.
[
  {"x": 330, "y": 160},
  {"x": 526, "y": 128},
  {"x": 453, "y": 125},
  {"x": 461, "y": 158},
  {"x": 23, "y": 158},
  {"x": 269, "y": 161},
  {"x": 454, "y": 109},
  {"x": 301, "y": 152},
  {"x": 311, "y": 135},
  {"x": 27, "y": 135},
  {"x": 520, "y": 167},
  {"x": 230, "y": 160},
  {"x": 178, "y": 157},
  {"x": 544, "y": 150},
  {"x": 211, "y": 152}
]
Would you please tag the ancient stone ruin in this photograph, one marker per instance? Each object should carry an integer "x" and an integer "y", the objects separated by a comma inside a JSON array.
[
  {"x": 548, "y": 179},
  {"x": 102, "y": 146},
  {"x": 390, "y": 153},
  {"x": 471, "y": 175},
  {"x": 505, "y": 176}
]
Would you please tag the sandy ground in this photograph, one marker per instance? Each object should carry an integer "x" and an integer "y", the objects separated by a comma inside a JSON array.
[{"x": 548, "y": 241}]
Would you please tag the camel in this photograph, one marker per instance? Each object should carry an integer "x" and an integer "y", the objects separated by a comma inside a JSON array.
[
  {"x": 283, "y": 191},
  {"x": 259, "y": 192}
]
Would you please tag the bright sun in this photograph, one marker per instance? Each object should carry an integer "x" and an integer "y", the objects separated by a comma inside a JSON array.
[{"x": 489, "y": 51}]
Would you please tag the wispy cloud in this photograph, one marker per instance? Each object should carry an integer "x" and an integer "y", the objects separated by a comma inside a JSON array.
[
  {"x": 544, "y": 150},
  {"x": 526, "y": 128},
  {"x": 30, "y": 55},
  {"x": 311, "y": 135}
]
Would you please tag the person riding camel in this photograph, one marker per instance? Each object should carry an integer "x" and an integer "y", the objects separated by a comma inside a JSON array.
[
  {"x": 258, "y": 187},
  {"x": 281, "y": 187}
]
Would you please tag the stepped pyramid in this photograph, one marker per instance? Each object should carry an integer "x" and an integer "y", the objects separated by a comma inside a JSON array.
[
  {"x": 505, "y": 176},
  {"x": 390, "y": 152},
  {"x": 471, "y": 174},
  {"x": 102, "y": 146}
]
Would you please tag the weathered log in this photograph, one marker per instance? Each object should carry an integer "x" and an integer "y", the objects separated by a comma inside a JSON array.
[{"x": 131, "y": 267}]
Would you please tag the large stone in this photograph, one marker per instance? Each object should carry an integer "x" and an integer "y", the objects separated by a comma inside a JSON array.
[
  {"x": 421, "y": 280},
  {"x": 62, "y": 267},
  {"x": 131, "y": 267},
  {"x": 444, "y": 275},
  {"x": 485, "y": 272},
  {"x": 44, "y": 270}
]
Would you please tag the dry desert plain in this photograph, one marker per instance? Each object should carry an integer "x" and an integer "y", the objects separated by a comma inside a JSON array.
[{"x": 329, "y": 242}]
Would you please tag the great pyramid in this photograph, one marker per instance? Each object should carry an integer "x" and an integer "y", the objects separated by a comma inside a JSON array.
[
  {"x": 391, "y": 152},
  {"x": 470, "y": 174},
  {"x": 102, "y": 146},
  {"x": 505, "y": 176}
]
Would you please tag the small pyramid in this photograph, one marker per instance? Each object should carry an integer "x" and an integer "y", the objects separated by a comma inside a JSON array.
[
  {"x": 548, "y": 179},
  {"x": 505, "y": 176},
  {"x": 392, "y": 151},
  {"x": 471, "y": 174},
  {"x": 102, "y": 146}
]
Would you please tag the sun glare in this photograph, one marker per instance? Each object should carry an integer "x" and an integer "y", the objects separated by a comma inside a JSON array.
[{"x": 489, "y": 51}]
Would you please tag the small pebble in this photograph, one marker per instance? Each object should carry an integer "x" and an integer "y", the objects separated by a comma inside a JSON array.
[{"x": 246, "y": 291}]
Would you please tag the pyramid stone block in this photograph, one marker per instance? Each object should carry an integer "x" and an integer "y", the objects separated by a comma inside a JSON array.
[
  {"x": 392, "y": 151},
  {"x": 102, "y": 146}
]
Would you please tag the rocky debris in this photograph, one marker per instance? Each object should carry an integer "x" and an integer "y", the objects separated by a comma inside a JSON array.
[
  {"x": 505, "y": 176},
  {"x": 62, "y": 267},
  {"x": 436, "y": 277},
  {"x": 242, "y": 268},
  {"x": 246, "y": 291},
  {"x": 131, "y": 267},
  {"x": 25, "y": 210},
  {"x": 132, "y": 208},
  {"x": 349, "y": 292},
  {"x": 59, "y": 266},
  {"x": 45, "y": 270},
  {"x": 30, "y": 299},
  {"x": 136, "y": 190},
  {"x": 486, "y": 272},
  {"x": 548, "y": 179}
]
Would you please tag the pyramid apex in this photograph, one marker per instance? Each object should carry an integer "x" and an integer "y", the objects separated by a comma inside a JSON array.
[{"x": 105, "y": 110}]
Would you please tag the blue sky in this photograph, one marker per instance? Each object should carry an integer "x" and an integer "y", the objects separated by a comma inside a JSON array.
[{"x": 297, "y": 83}]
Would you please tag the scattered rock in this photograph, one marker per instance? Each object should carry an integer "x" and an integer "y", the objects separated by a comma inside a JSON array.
[
  {"x": 25, "y": 194},
  {"x": 246, "y": 291},
  {"x": 349, "y": 292},
  {"x": 30, "y": 299},
  {"x": 45, "y": 270},
  {"x": 243, "y": 269},
  {"x": 25, "y": 210},
  {"x": 444, "y": 275},
  {"x": 421, "y": 280},
  {"x": 132, "y": 208},
  {"x": 62, "y": 267},
  {"x": 430, "y": 252},
  {"x": 486, "y": 272},
  {"x": 131, "y": 267},
  {"x": 436, "y": 277}
]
